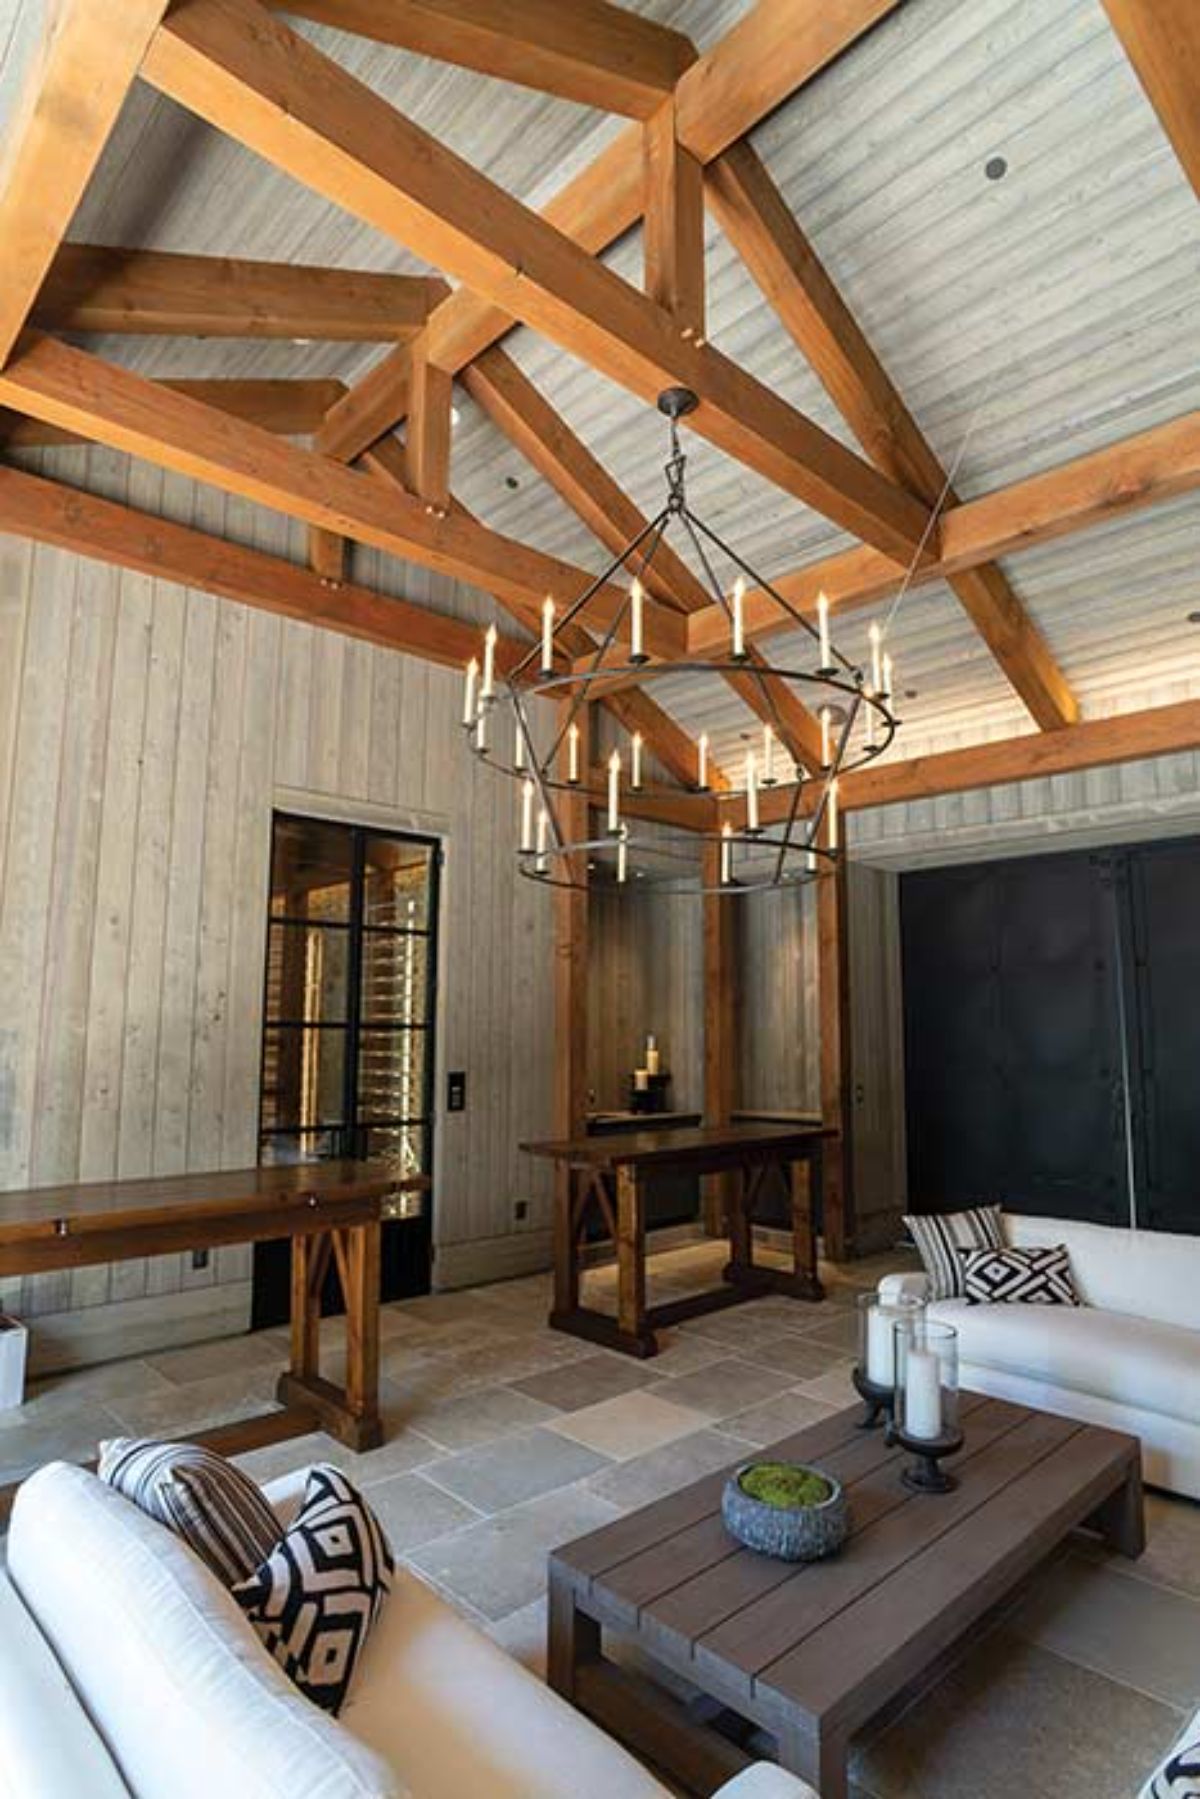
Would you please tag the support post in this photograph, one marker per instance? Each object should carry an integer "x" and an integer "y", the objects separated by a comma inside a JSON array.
[
  {"x": 674, "y": 225},
  {"x": 571, "y": 991},
  {"x": 720, "y": 1033},
  {"x": 837, "y": 1197}
]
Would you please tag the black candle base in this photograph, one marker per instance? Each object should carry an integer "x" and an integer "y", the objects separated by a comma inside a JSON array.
[
  {"x": 926, "y": 1475},
  {"x": 877, "y": 1400}
]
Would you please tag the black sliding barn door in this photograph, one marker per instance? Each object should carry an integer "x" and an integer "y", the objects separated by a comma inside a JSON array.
[
  {"x": 1164, "y": 906},
  {"x": 1013, "y": 1037}
]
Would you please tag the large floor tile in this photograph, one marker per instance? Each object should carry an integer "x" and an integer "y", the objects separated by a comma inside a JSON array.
[
  {"x": 58, "y": 1395},
  {"x": 1013, "y": 1721},
  {"x": 402, "y": 1451},
  {"x": 804, "y": 1358},
  {"x": 588, "y": 1381},
  {"x": 1143, "y": 1635},
  {"x": 776, "y": 1418},
  {"x": 523, "y": 1635},
  {"x": 1172, "y": 1553},
  {"x": 506, "y": 1473},
  {"x": 228, "y": 1356},
  {"x": 629, "y": 1425},
  {"x": 413, "y": 1511},
  {"x": 217, "y": 1399},
  {"x": 480, "y": 1417},
  {"x": 723, "y": 1388},
  {"x": 71, "y": 1436},
  {"x": 647, "y": 1477},
  {"x": 499, "y": 1565},
  {"x": 834, "y": 1387}
]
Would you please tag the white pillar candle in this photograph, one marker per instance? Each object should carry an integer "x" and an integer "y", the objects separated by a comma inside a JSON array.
[
  {"x": 635, "y": 762},
  {"x": 739, "y": 619},
  {"x": 751, "y": 792},
  {"x": 876, "y": 658},
  {"x": 823, "y": 629},
  {"x": 614, "y": 791},
  {"x": 543, "y": 832},
  {"x": 768, "y": 763},
  {"x": 573, "y": 753},
  {"x": 922, "y": 1395},
  {"x": 881, "y": 1346},
  {"x": 488, "y": 689},
  {"x": 469, "y": 693},
  {"x": 826, "y": 737},
  {"x": 527, "y": 815},
  {"x": 547, "y": 635},
  {"x": 635, "y": 619},
  {"x": 652, "y": 1056},
  {"x": 726, "y": 853},
  {"x": 702, "y": 761}
]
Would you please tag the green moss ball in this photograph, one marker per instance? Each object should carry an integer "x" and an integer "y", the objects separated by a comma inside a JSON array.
[{"x": 784, "y": 1485}]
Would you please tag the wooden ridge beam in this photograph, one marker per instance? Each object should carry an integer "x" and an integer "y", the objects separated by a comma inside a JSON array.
[
  {"x": 1144, "y": 470},
  {"x": 595, "y": 53},
  {"x": 243, "y": 71},
  {"x": 755, "y": 217},
  {"x": 88, "y": 61},
  {"x": 51, "y": 513},
  {"x": 1162, "y": 41},
  {"x": 70, "y": 388},
  {"x": 289, "y": 408},
  {"x": 155, "y": 293}
]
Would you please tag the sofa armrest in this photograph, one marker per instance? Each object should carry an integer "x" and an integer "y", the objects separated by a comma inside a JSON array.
[
  {"x": 903, "y": 1286},
  {"x": 764, "y": 1780}
]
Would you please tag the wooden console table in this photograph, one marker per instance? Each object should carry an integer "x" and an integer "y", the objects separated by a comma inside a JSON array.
[
  {"x": 332, "y": 1213},
  {"x": 609, "y": 1172}
]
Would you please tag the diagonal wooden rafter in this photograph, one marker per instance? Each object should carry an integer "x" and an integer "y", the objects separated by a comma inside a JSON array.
[
  {"x": 70, "y": 388},
  {"x": 760, "y": 225},
  {"x": 590, "y": 51},
  {"x": 543, "y": 436},
  {"x": 89, "y": 60},
  {"x": 771, "y": 54},
  {"x": 291, "y": 408},
  {"x": 1162, "y": 41},
  {"x": 247, "y": 74},
  {"x": 155, "y": 293}
]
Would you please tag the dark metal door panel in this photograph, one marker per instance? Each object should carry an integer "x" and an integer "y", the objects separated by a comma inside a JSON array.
[{"x": 1165, "y": 907}]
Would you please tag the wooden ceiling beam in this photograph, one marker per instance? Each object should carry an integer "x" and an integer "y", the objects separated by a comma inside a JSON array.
[
  {"x": 70, "y": 388},
  {"x": 776, "y": 704},
  {"x": 674, "y": 228},
  {"x": 675, "y": 749},
  {"x": 290, "y": 408},
  {"x": 50, "y": 513},
  {"x": 1154, "y": 466},
  {"x": 243, "y": 71},
  {"x": 427, "y": 439},
  {"x": 1162, "y": 41},
  {"x": 86, "y": 66},
  {"x": 592, "y": 52},
  {"x": 153, "y": 293},
  {"x": 370, "y": 408},
  {"x": 760, "y": 225}
]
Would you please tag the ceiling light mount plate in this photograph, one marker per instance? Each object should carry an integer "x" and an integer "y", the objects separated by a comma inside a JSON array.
[{"x": 677, "y": 402}]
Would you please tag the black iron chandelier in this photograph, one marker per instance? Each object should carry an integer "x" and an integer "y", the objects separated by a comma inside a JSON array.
[{"x": 776, "y": 824}]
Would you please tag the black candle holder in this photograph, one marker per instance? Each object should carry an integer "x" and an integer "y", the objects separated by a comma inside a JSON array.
[
  {"x": 926, "y": 1475},
  {"x": 880, "y": 1402}
]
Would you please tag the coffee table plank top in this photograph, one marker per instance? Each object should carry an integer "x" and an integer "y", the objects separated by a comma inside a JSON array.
[{"x": 830, "y": 1639}]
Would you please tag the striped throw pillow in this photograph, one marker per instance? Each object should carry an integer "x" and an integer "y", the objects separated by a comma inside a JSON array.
[
  {"x": 940, "y": 1236},
  {"x": 213, "y": 1506}
]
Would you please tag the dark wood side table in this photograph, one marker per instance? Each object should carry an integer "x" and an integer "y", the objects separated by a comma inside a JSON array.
[
  {"x": 609, "y": 1173},
  {"x": 332, "y": 1213},
  {"x": 812, "y": 1652}
]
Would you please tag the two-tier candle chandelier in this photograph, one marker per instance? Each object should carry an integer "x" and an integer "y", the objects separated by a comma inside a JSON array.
[{"x": 774, "y": 822}]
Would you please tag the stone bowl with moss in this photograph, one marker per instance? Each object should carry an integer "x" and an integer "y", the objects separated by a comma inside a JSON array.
[{"x": 785, "y": 1509}]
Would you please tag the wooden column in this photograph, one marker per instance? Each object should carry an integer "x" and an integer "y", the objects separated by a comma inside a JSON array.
[
  {"x": 674, "y": 224},
  {"x": 571, "y": 972},
  {"x": 720, "y": 1028},
  {"x": 834, "y": 1009}
]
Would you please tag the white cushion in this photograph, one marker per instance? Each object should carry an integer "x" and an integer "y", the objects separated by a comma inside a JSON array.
[
  {"x": 48, "y": 1748},
  {"x": 176, "y": 1681},
  {"x": 459, "y": 1719},
  {"x": 1143, "y": 1274},
  {"x": 1134, "y": 1362}
]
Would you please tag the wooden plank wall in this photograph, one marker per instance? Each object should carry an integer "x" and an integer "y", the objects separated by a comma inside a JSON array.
[
  {"x": 646, "y": 974},
  {"x": 775, "y": 939},
  {"x": 146, "y": 731}
]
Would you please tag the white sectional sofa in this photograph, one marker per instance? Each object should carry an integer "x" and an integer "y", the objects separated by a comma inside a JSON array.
[
  {"x": 126, "y": 1668},
  {"x": 1128, "y": 1357}
]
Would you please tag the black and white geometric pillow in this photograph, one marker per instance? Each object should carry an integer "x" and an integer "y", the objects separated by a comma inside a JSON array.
[
  {"x": 318, "y": 1593},
  {"x": 1030, "y": 1277},
  {"x": 213, "y": 1506},
  {"x": 1178, "y": 1777},
  {"x": 940, "y": 1236}
]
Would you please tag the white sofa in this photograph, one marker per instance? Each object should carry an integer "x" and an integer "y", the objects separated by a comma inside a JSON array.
[
  {"x": 126, "y": 1668},
  {"x": 1128, "y": 1357}
]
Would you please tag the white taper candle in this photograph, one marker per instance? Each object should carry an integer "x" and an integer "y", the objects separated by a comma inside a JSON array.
[
  {"x": 488, "y": 689},
  {"x": 543, "y": 832},
  {"x": 469, "y": 693},
  {"x": 751, "y": 792},
  {"x": 823, "y": 629},
  {"x": 614, "y": 791},
  {"x": 547, "y": 635},
  {"x": 623, "y": 855},
  {"x": 573, "y": 753},
  {"x": 826, "y": 737},
  {"x": 635, "y": 618},
  {"x": 889, "y": 676},
  {"x": 527, "y": 815},
  {"x": 831, "y": 817},
  {"x": 739, "y": 619},
  {"x": 702, "y": 760},
  {"x": 726, "y": 853},
  {"x": 876, "y": 658},
  {"x": 635, "y": 762}
]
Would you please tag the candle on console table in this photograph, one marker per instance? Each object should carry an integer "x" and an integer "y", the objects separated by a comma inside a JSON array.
[
  {"x": 641, "y": 1080},
  {"x": 652, "y": 1055},
  {"x": 923, "y": 1395}
]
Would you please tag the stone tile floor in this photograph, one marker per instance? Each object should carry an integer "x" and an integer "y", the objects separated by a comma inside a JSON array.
[{"x": 506, "y": 1439}]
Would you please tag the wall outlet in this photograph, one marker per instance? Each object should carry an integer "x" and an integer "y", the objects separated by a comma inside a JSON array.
[
  {"x": 199, "y": 1259},
  {"x": 521, "y": 1210}
]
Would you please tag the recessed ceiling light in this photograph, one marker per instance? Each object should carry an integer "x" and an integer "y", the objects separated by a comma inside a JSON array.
[
  {"x": 1193, "y": 618},
  {"x": 995, "y": 168}
]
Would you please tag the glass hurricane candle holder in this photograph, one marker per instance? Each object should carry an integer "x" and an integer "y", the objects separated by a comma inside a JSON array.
[
  {"x": 925, "y": 1402},
  {"x": 874, "y": 1374}
]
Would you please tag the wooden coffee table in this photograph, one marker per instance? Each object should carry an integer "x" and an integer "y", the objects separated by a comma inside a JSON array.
[{"x": 811, "y": 1653}]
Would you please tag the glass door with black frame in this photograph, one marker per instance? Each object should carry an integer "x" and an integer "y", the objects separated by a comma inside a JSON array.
[{"x": 348, "y": 1026}]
